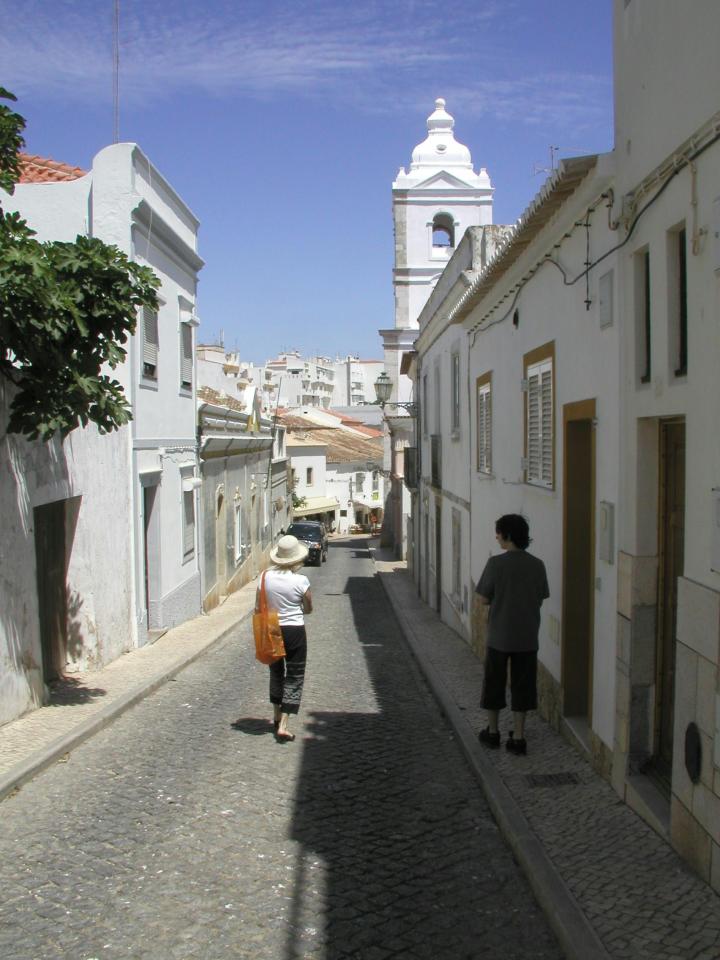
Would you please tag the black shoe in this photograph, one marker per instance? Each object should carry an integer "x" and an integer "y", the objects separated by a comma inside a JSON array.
[
  {"x": 516, "y": 746},
  {"x": 489, "y": 739}
]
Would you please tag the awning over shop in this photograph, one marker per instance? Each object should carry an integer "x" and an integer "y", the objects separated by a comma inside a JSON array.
[
  {"x": 225, "y": 445},
  {"x": 316, "y": 505}
]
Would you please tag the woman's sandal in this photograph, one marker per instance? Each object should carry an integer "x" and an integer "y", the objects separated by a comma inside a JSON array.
[{"x": 284, "y": 736}]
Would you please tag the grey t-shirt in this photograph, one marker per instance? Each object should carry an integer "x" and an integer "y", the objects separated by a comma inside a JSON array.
[{"x": 516, "y": 584}]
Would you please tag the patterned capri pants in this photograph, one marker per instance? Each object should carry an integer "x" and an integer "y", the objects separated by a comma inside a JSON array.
[{"x": 288, "y": 674}]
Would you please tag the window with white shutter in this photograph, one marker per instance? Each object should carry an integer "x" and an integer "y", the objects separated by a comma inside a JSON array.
[
  {"x": 186, "y": 356},
  {"x": 539, "y": 465},
  {"x": 484, "y": 424},
  {"x": 151, "y": 342}
]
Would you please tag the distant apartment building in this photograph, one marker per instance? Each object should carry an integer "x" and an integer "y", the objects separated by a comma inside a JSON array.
[{"x": 291, "y": 380}]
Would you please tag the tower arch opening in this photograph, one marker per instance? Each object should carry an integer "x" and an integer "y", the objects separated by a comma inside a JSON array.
[{"x": 443, "y": 230}]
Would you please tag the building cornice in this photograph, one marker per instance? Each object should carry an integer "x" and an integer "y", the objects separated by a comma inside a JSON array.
[{"x": 165, "y": 237}]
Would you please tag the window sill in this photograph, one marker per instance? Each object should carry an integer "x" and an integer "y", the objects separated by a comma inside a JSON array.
[
  {"x": 146, "y": 384},
  {"x": 545, "y": 487}
]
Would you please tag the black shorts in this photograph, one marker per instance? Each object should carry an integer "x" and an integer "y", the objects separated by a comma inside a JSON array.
[{"x": 523, "y": 680}]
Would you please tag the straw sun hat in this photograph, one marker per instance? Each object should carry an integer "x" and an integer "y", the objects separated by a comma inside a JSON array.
[{"x": 288, "y": 551}]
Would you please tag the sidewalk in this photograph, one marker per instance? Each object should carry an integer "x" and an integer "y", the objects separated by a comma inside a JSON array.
[
  {"x": 85, "y": 702},
  {"x": 610, "y": 886}
]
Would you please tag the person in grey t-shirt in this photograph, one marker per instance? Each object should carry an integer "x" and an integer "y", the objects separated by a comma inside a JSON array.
[{"x": 514, "y": 585}]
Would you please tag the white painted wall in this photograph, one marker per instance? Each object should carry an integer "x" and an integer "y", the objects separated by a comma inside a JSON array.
[
  {"x": 667, "y": 77},
  {"x": 586, "y": 366},
  {"x": 94, "y": 469},
  {"x": 306, "y": 457}
]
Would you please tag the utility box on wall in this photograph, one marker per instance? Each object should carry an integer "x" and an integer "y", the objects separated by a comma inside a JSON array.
[{"x": 606, "y": 533}]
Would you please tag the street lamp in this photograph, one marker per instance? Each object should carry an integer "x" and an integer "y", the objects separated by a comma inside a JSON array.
[{"x": 383, "y": 389}]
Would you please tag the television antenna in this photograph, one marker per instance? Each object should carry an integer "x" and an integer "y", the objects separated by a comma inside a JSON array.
[{"x": 537, "y": 168}]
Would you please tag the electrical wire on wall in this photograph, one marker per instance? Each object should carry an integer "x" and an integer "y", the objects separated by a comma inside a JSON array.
[{"x": 680, "y": 164}]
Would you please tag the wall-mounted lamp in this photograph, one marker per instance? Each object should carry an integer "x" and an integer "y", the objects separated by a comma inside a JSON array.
[{"x": 383, "y": 389}]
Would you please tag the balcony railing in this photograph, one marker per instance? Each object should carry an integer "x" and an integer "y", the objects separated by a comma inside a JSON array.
[
  {"x": 411, "y": 472},
  {"x": 436, "y": 460}
]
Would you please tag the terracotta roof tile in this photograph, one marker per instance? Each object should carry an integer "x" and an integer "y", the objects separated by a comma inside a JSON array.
[
  {"x": 209, "y": 395},
  {"x": 34, "y": 169},
  {"x": 342, "y": 446}
]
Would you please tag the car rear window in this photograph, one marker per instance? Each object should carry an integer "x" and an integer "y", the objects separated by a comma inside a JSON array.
[{"x": 308, "y": 530}]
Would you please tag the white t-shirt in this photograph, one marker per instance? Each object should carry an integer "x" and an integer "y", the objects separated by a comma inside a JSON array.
[{"x": 285, "y": 591}]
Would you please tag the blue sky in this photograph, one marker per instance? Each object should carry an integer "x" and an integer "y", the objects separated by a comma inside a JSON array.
[{"x": 283, "y": 124}]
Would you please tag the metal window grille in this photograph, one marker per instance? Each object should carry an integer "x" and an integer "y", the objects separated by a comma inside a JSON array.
[
  {"x": 188, "y": 524},
  {"x": 410, "y": 467},
  {"x": 484, "y": 415},
  {"x": 436, "y": 460}
]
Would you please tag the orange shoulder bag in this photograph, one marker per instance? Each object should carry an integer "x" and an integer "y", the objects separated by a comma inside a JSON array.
[{"x": 269, "y": 645}]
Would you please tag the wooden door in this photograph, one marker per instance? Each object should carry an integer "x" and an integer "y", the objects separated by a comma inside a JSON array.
[
  {"x": 670, "y": 567},
  {"x": 438, "y": 556},
  {"x": 578, "y": 558},
  {"x": 51, "y": 572}
]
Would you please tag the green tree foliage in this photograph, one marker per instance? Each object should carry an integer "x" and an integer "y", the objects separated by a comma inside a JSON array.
[{"x": 66, "y": 311}]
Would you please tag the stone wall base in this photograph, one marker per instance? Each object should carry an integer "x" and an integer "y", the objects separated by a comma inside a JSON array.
[{"x": 549, "y": 697}]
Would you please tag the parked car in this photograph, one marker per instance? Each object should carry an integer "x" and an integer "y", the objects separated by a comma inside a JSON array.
[{"x": 314, "y": 535}]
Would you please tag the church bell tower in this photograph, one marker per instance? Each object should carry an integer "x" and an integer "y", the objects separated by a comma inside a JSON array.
[{"x": 433, "y": 203}]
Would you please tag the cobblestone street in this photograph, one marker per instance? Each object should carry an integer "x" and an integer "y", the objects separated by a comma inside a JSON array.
[{"x": 183, "y": 830}]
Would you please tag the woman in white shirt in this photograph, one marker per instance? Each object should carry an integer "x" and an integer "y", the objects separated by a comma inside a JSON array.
[{"x": 288, "y": 592}]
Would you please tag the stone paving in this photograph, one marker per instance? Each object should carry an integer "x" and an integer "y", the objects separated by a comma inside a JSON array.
[
  {"x": 86, "y": 701},
  {"x": 183, "y": 830},
  {"x": 636, "y": 893}
]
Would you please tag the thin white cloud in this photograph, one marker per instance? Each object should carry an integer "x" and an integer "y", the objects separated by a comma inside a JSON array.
[{"x": 350, "y": 52}]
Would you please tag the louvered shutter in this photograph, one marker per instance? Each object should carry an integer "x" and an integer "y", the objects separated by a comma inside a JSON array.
[
  {"x": 546, "y": 425},
  {"x": 186, "y": 357},
  {"x": 533, "y": 427},
  {"x": 540, "y": 424},
  {"x": 150, "y": 341}
]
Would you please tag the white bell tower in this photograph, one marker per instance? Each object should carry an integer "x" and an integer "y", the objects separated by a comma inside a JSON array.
[{"x": 433, "y": 204}]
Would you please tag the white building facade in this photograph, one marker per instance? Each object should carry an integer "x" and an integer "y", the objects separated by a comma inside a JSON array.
[
  {"x": 667, "y": 211},
  {"x": 571, "y": 376},
  {"x": 244, "y": 492},
  {"x": 105, "y": 525}
]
